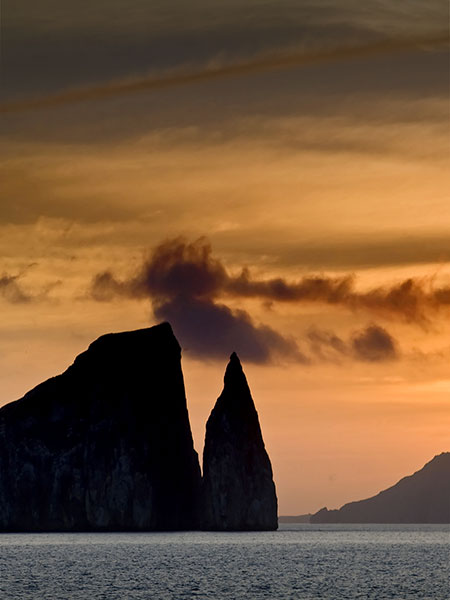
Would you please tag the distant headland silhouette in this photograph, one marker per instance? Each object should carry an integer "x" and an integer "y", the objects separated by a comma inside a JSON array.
[
  {"x": 107, "y": 446},
  {"x": 423, "y": 497}
]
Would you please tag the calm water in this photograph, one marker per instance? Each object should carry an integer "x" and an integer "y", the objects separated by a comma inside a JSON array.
[{"x": 326, "y": 562}]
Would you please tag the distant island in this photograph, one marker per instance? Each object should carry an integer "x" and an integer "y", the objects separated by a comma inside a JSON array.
[
  {"x": 107, "y": 446},
  {"x": 423, "y": 497},
  {"x": 294, "y": 518}
]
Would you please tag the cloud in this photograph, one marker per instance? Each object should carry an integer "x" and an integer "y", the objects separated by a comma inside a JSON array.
[
  {"x": 187, "y": 269},
  {"x": 183, "y": 280},
  {"x": 374, "y": 344},
  {"x": 188, "y": 286},
  {"x": 412, "y": 299},
  {"x": 174, "y": 268},
  {"x": 258, "y": 64},
  {"x": 371, "y": 344},
  {"x": 326, "y": 345},
  {"x": 11, "y": 290},
  {"x": 210, "y": 330},
  {"x": 179, "y": 268},
  {"x": 105, "y": 287}
]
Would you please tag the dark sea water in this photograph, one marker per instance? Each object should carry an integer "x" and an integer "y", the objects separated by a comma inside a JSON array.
[{"x": 323, "y": 562}]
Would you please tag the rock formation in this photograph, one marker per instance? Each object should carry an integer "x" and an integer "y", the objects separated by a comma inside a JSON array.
[
  {"x": 238, "y": 489},
  {"x": 107, "y": 445},
  {"x": 423, "y": 497}
]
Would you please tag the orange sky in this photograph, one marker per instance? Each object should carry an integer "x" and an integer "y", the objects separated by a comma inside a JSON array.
[{"x": 334, "y": 170}]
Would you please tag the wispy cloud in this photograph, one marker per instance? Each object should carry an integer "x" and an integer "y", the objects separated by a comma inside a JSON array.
[
  {"x": 258, "y": 64},
  {"x": 14, "y": 292}
]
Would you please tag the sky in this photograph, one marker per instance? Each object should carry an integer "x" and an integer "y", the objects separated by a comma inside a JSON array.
[{"x": 269, "y": 176}]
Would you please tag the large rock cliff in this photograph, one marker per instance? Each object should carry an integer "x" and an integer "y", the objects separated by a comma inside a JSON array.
[
  {"x": 423, "y": 497},
  {"x": 107, "y": 445},
  {"x": 238, "y": 489}
]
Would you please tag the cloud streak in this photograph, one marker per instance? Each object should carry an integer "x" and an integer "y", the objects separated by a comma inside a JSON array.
[
  {"x": 179, "y": 268},
  {"x": 414, "y": 300},
  {"x": 259, "y": 64}
]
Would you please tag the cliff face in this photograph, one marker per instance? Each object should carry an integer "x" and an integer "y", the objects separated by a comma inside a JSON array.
[
  {"x": 238, "y": 489},
  {"x": 107, "y": 445},
  {"x": 423, "y": 497}
]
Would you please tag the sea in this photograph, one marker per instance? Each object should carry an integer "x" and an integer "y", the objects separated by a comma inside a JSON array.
[{"x": 297, "y": 562}]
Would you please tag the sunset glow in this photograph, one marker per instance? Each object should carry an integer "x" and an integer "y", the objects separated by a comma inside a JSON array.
[{"x": 307, "y": 203}]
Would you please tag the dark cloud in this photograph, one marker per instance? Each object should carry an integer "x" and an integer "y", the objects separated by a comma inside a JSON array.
[
  {"x": 210, "y": 330},
  {"x": 89, "y": 45},
  {"x": 412, "y": 299},
  {"x": 175, "y": 268},
  {"x": 264, "y": 64},
  {"x": 92, "y": 40},
  {"x": 374, "y": 344},
  {"x": 228, "y": 108},
  {"x": 105, "y": 287},
  {"x": 178, "y": 268},
  {"x": 183, "y": 280},
  {"x": 187, "y": 269},
  {"x": 371, "y": 344},
  {"x": 308, "y": 289}
]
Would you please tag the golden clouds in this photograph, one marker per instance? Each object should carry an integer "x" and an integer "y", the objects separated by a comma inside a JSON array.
[{"x": 384, "y": 187}]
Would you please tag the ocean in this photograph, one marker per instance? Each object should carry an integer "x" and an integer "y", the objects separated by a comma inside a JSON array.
[{"x": 297, "y": 562}]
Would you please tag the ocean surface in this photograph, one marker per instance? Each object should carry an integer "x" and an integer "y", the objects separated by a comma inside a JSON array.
[{"x": 299, "y": 561}]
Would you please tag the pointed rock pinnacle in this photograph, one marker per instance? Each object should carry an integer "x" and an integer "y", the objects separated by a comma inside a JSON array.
[{"x": 238, "y": 489}]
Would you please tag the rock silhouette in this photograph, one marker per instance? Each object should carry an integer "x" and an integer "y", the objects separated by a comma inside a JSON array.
[
  {"x": 238, "y": 489},
  {"x": 107, "y": 445},
  {"x": 423, "y": 497}
]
